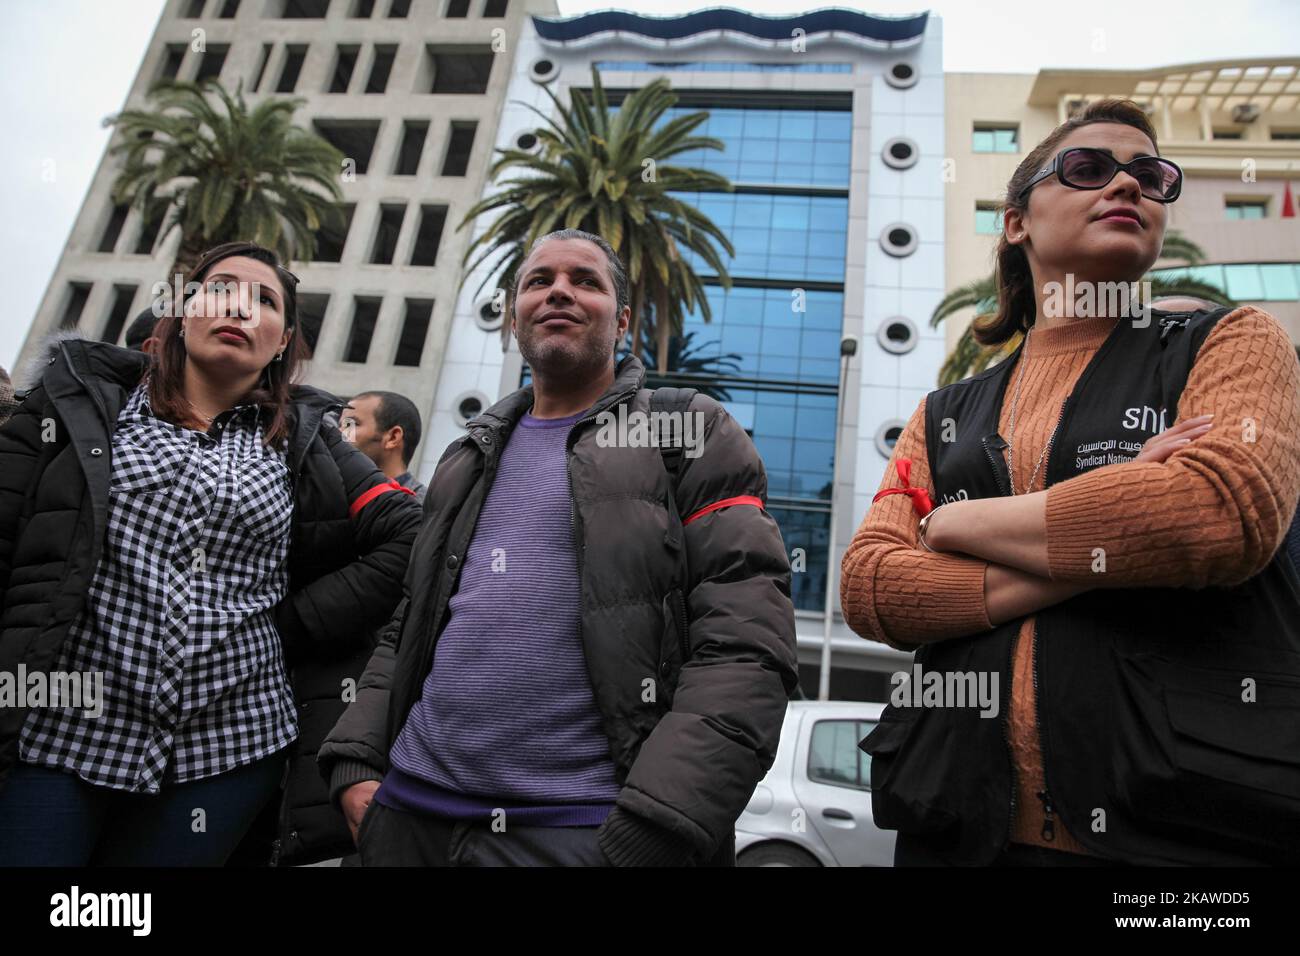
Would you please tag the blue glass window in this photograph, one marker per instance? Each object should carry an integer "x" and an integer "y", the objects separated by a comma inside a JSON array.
[
  {"x": 995, "y": 139},
  {"x": 761, "y": 332},
  {"x": 791, "y": 238},
  {"x": 988, "y": 220},
  {"x": 1245, "y": 281},
  {"x": 773, "y": 146}
]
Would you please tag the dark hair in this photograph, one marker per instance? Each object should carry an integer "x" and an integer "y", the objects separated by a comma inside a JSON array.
[
  {"x": 397, "y": 411},
  {"x": 1017, "y": 305},
  {"x": 141, "y": 327},
  {"x": 617, "y": 271},
  {"x": 166, "y": 396}
]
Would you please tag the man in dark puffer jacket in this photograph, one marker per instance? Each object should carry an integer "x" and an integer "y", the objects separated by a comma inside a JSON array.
[
  {"x": 345, "y": 569},
  {"x": 593, "y": 660}
]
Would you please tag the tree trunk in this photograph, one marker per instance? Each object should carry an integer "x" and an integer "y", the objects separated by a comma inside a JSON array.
[
  {"x": 663, "y": 328},
  {"x": 638, "y": 307},
  {"x": 187, "y": 257}
]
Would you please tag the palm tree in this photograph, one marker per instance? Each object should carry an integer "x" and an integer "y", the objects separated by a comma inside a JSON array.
[
  {"x": 226, "y": 172},
  {"x": 591, "y": 173},
  {"x": 686, "y": 366},
  {"x": 968, "y": 357}
]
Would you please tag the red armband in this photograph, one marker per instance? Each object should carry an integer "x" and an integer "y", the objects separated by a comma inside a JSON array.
[
  {"x": 725, "y": 503},
  {"x": 920, "y": 497},
  {"x": 371, "y": 494}
]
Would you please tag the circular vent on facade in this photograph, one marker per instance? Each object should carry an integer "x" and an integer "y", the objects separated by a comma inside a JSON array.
[
  {"x": 468, "y": 406},
  {"x": 897, "y": 334},
  {"x": 901, "y": 76},
  {"x": 486, "y": 316},
  {"x": 901, "y": 152},
  {"x": 544, "y": 70},
  {"x": 898, "y": 239},
  {"x": 887, "y": 435}
]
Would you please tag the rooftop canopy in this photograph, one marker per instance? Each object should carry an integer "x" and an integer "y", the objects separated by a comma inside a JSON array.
[
  {"x": 1268, "y": 85},
  {"x": 848, "y": 25}
]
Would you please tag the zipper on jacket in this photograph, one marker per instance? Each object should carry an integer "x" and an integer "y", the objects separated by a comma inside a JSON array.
[
  {"x": 1006, "y": 736},
  {"x": 579, "y": 548},
  {"x": 683, "y": 627},
  {"x": 1045, "y": 795},
  {"x": 573, "y": 522},
  {"x": 569, "y": 442},
  {"x": 1049, "y": 825},
  {"x": 1001, "y": 471}
]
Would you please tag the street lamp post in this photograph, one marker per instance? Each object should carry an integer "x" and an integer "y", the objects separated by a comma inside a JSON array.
[{"x": 848, "y": 348}]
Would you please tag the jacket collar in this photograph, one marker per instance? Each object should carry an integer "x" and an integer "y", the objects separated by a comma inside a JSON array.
[
  {"x": 502, "y": 417},
  {"x": 74, "y": 365},
  {"x": 102, "y": 372},
  {"x": 309, "y": 405}
]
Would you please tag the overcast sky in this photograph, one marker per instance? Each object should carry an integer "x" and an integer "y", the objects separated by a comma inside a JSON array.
[{"x": 66, "y": 64}]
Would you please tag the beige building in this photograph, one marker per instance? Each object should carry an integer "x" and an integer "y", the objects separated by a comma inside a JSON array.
[
  {"x": 1233, "y": 126},
  {"x": 411, "y": 91}
]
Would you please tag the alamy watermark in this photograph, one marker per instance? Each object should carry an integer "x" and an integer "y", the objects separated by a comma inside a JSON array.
[
  {"x": 171, "y": 298},
  {"x": 922, "y": 688},
  {"x": 84, "y": 691},
  {"x": 1089, "y": 300},
  {"x": 133, "y": 911},
  {"x": 639, "y": 429}
]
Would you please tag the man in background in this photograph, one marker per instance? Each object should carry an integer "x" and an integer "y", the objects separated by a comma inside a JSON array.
[{"x": 386, "y": 427}]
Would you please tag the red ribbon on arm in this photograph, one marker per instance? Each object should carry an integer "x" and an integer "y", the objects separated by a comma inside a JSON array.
[
  {"x": 370, "y": 495},
  {"x": 920, "y": 497}
]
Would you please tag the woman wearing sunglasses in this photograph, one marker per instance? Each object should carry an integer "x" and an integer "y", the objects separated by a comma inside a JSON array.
[
  {"x": 188, "y": 539},
  {"x": 1092, "y": 528}
]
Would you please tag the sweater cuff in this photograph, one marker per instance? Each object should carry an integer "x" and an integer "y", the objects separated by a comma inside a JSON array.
[
  {"x": 349, "y": 772},
  {"x": 1079, "y": 522},
  {"x": 915, "y": 600},
  {"x": 629, "y": 840}
]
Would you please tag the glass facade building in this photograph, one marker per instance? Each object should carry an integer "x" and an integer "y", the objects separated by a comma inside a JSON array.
[{"x": 770, "y": 352}]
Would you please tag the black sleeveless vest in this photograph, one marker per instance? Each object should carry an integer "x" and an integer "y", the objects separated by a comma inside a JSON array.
[{"x": 1169, "y": 717}]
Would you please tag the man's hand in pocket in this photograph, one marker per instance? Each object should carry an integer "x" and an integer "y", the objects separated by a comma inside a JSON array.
[{"x": 354, "y": 801}]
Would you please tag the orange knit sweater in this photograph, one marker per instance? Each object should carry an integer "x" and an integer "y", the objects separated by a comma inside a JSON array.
[{"x": 1212, "y": 514}]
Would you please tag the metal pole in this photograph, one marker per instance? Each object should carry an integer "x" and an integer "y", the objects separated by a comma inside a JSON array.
[{"x": 848, "y": 348}]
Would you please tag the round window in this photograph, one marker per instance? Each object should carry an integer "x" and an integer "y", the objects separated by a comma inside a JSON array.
[
  {"x": 887, "y": 435},
  {"x": 897, "y": 334},
  {"x": 898, "y": 239},
  {"x": 901, "y": 76},
  {"x": 468, "y": 406},
  {"x": 526, "y": 141},
  {"x": 544, "y": 70},
  {"x": 901, "y": 152},
  {"x": 486, "y": 315}
]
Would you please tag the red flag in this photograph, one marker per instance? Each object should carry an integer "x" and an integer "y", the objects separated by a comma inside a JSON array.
[{"x": 1288, "y": 205}]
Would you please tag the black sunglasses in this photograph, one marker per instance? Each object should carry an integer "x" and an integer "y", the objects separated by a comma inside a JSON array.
[{"x": 1086, "y": 168}]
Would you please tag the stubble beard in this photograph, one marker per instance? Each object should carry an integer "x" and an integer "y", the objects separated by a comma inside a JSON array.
[{"x": 559, "y": 358}]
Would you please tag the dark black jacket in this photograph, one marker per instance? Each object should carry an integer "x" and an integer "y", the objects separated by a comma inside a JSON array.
[
  {"x": 702, "y": 611},
  {"x": 345, "y": 572},
  {"x": 1169, "y": 717}
]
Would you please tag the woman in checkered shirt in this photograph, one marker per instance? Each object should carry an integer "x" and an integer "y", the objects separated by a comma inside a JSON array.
[{"x": 189, "y": 552}]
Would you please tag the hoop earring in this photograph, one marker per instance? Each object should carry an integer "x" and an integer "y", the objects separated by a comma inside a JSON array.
[
  {"x": 182, "y": 332},
  {"x": 278, "y": 356}
]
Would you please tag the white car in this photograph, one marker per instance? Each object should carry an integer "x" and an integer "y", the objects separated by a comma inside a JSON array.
[{"x": 814, "y": 806}]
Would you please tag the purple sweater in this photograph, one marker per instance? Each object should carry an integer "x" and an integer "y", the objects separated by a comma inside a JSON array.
[{"x": 507, "y": 717}]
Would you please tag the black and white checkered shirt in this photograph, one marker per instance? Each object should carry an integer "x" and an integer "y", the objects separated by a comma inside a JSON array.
[{"x": 179, "y": 617}]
